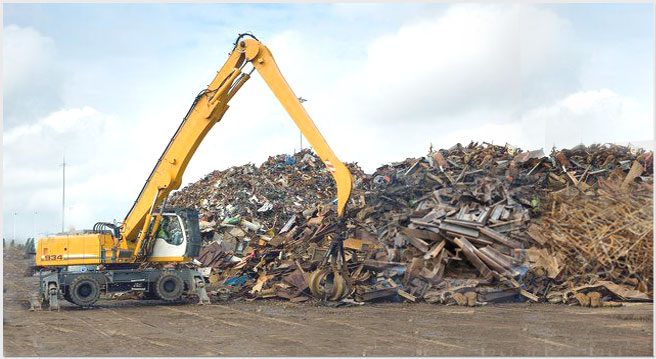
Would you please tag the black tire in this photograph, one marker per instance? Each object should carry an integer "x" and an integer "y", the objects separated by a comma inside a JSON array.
[
  {"x": 150, "y": 295},
  {"x": 67, "y": 296},
  {"x": 169, "y": 287},
  {"x": 83, "y": 291}
]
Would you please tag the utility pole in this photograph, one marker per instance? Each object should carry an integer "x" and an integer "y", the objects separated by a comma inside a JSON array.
[
  {"x": 14, "y": 227},
  {"x": 300, "y": 133},
  {"x": 34, "y": 225},
  {"x": 63, "y": 191}
]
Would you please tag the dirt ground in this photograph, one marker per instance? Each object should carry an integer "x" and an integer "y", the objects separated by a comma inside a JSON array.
[{"x": 275, "y": 328}]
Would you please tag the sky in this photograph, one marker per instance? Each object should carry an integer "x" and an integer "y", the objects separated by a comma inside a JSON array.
[{"x": 107, "y": 85}]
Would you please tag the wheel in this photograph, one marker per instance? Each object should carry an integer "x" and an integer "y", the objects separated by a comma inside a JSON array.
[
  {"x": 53, "y": 301},
  {"x": 169, "y": 287},
  {"x": 83, "y": 291},
  {"x": 150, "y": 294},
  {"x": 67, "y": 296}
]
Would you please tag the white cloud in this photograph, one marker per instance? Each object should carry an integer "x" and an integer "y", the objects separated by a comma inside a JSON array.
[
  {"x": 31, "y": 75},
  {"x": 549, "y": 59},
  {"x": 469, "y": 58},
  {"x": 59, "y": 122},
  {"x": 595, "y": 116},
  {"x": 469, "y": 69},
  {"x": 28, "y": 56},
  {"x": 582, "y": 102},
  {"x": 32, "y": 155},
  {"x": 486, "y": 73},
  {"x": 80, "y": 130}
]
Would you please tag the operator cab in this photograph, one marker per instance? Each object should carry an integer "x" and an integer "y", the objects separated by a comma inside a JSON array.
[
  {"x": 171, "y": 229},
  {"x": 178, "y": 235}
]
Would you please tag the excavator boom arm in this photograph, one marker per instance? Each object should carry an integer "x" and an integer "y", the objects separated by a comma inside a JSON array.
[{"x": 208, "y": 108}]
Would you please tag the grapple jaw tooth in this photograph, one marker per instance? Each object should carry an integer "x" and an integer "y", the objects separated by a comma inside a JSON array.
[{"x": 326, "y": 284}]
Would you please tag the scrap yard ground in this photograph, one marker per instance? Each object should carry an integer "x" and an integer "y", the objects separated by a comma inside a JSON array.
[{"x": 275, "y": 328}]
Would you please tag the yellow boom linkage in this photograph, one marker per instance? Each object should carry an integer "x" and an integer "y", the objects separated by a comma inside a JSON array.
[
  {"x": 133, "y": 242},
  {"x": 208, "y": 109}
]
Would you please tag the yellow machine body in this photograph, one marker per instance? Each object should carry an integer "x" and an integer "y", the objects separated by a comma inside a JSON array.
[
  {"x": 74, "y": 249},
  {"x": 137, "y": 239},
  {"x": 87, "y": 249}
]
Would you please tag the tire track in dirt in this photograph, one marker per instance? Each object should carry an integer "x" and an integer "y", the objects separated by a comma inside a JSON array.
[
  {"x": 222, "y": 321},
  {"x": 160, "y": 329},
  {"x": 261, "y": 316}
]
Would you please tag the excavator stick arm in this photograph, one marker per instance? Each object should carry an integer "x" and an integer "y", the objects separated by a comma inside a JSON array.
[
  {"x": 266, "y": 66},
  {"x": 208, "y": 108}
]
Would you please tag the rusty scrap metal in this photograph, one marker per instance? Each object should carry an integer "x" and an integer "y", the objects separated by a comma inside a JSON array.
[{"x": 470, "y": 224}]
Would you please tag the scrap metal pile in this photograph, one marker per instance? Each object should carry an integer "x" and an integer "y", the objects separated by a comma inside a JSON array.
[
  {"x": 468, "y": 225},
  {"x": 269, "y": 194},
  {"x": 604, "y": 232}
]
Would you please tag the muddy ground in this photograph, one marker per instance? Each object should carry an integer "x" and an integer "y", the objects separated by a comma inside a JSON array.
[{"x": 275, "y": 328}]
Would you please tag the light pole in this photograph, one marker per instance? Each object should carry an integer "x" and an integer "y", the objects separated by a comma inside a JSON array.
[
  {"x": 14, "y": 227},
  {"x": 63, "y": 190},
  {"x": 301, "y": 100},
  {"x": 70, "y": 210},
  {"x": 34, "y": 225}
]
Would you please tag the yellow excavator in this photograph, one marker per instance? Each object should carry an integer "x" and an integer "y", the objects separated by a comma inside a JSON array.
[{"x": 151, "y": 249}]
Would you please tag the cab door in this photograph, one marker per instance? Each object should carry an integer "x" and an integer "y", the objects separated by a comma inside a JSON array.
[{"x": 170, "y": 240}]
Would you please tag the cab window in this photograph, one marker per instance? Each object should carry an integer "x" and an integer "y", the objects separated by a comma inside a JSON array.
[{"x": 170, "y": 230}]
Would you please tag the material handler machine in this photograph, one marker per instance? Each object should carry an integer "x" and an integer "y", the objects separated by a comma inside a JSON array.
[{"x": 150, "y": 251}]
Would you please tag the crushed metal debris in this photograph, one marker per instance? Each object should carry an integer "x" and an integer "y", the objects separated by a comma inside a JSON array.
[{"x": 470, "y": 225}]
